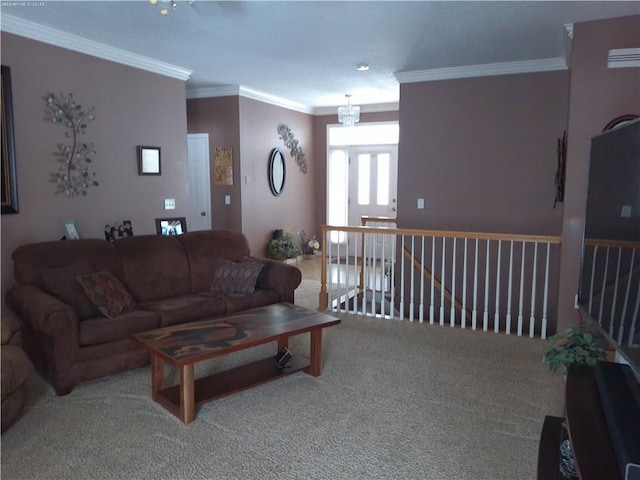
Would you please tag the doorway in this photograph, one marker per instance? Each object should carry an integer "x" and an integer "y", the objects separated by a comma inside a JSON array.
[{"x": 199, "y": 208}]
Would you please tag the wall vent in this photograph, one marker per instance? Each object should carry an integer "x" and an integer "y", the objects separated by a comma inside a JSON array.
[{"x": 624, "y": 58}]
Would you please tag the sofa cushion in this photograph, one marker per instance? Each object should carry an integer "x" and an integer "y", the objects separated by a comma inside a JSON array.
[
  {"x": 204, "y": 247},
  {"x": 62, "y": 283},
  {"x": 15, "y": 366},
  {"x": 242, "y": 301},
  {"x": 155, "y": 266},
  {"x": 186, "y": 308},
  {"x": 102, "y": 330},
  {"x": 107, "y": 293},
  {"x": 232, "y": 277}
]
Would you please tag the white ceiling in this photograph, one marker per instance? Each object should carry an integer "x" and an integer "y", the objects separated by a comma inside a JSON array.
[{"x": 306, "y": 52}]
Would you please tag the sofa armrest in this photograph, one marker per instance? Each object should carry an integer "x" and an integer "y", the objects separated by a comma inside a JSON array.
[
  {"x": 43, "y": 312},
  {"x": 281, "y": 277}
]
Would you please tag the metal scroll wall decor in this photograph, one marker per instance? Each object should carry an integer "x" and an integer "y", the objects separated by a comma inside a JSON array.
[
  {"x": 562, "y": 169},
  {"x": 73, "y": 177},
  {"x": 291, "y": 143}
]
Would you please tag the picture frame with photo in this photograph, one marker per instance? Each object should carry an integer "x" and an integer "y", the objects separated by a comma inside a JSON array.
[
  {"x": 115, "y": 230},
  {"x": 71, "y": 229},
  {"x": 171, "y": 226}
]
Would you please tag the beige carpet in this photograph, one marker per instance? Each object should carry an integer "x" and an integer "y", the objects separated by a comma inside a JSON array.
[{"x": 396, "y": 401}]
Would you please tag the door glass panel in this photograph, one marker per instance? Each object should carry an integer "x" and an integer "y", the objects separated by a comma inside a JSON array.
[
  {"x": 364, "y": 178},
  {"x": 338, "y": 190},
  {"x": 382, "y": 196}
]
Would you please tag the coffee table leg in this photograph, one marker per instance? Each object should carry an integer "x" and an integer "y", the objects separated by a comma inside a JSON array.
[
  {"x": 157, "y": 375},
  {"x": 187, "y": 398},
  {"x": 282, "y": 343},
  {"x": 315, "y": 368}
]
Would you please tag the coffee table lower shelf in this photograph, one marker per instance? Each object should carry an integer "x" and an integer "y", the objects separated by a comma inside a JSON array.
[{"x": 218, "y": 385}]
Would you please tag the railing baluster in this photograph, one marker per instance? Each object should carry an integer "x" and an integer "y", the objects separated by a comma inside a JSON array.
[
  {"x": 485, "y": 316},
  {"x": 604, "y": 282},
  {"x": 374, "y": 273},
  {"x": 443, "y": 283},
  {"x": 463, "y": 319},
  {"x": 365, "y": 269},
  {"x": 626, "y": 297},
  {"x": 532, "y": 318},
  {"x": 543, "y": 327},
  {"x": 521, "y": 299},
  {"x": 402, "y": 281},
  {"x": 496, "y": 316},
  {"x": 615, "y": 292},
  {"x": 393, "y": 279},
  {"x": 452, "y": 315},
  {"x": 422, "y": 282},
  {"x": 632, "y": 332},
  {"x": 433, "y": 267},
  {"x": 412, "y": 287},
  {"x": 356, "y": 273},
  {"x": 593, "y": 277},
  {"x": 474, "y": 315},
  {"x": 509, "y": 291},
  {"x": 383, "y": 278}
]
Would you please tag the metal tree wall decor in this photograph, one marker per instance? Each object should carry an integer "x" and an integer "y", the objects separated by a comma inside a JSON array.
[
  {"x": 291, "y": 143},
  {"x": 73, "y": 176}
]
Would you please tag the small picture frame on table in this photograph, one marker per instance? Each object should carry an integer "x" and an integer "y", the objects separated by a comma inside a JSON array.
[
  {"x": 149, "y": 160},
  {"x": 71, "y": 229},
  {"x": 171, "y": 226}
]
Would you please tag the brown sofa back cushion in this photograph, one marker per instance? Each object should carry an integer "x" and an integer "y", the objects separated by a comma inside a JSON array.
[
  {"x": 155, "y": 266},
  {"x": 29, "y": 259},
  {"x": 203, "y": 248}
]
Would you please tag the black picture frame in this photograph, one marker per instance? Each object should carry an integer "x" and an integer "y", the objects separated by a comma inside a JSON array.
[
  {"x": 149, "y": 160},
  {"x": 9, "y": 178},
  {"x": 171, "y": 226}
]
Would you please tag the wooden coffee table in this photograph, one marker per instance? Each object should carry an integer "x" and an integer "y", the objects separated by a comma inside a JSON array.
[{"x": 183, "y": 345}]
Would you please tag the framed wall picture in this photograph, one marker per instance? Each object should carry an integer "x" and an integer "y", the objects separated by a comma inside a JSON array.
[
  {"x": 171, "y": 226},
  {"x": 9, "y": 179},
  {"x": 71, "y": 229},
  {"x": 149, "y": 160}
]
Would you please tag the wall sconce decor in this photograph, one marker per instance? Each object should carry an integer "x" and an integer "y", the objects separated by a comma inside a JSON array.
[
  {"x": 73, "y": 176},
  {"x": 149, "y": 161}
]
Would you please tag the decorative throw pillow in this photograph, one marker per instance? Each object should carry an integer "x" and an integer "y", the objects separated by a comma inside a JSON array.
[
  {"x": 61, "y": 282},
  {"x": 231, "y": 277},
  {"x": 107, "y": 293},
  {"x": 262, "y": 278}
]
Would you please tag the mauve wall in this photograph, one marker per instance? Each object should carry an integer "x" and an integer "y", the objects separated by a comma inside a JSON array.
[
  {"x": 294, "y": 208},
  {"x": 220, "y": 118},
  {"x": 482, "y": 153},
  {"x": 598, "y": 95},
  {"x": 132, "y": 107}
]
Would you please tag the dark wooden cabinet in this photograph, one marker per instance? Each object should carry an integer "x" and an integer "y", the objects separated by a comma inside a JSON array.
[{"x": 588, "y": 432}]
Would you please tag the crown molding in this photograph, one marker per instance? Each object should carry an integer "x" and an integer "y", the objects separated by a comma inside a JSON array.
[
  {"x": 57, "y": 38},
  {"x": 371, "y": 108},
  {"x": 232, "y": 90},
  {"x": 623, "y": 58},
  {"x": 485, "y": 70}
]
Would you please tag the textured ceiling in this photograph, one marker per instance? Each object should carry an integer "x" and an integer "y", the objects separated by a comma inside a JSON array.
[{"x": 306, "y": 52}]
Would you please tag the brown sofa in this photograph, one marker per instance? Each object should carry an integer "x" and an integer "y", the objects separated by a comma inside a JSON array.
[
  {"x": 15, "y": 370},
  {"x": 68, "y": 337}
]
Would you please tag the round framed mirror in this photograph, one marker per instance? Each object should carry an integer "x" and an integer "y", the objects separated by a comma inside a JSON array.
[{"x": 277, "y": 171}]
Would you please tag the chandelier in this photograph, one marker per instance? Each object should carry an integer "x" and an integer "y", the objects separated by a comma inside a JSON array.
[
  {"x": 165, "y": 5},
  {"x": 348, "y": 114}
]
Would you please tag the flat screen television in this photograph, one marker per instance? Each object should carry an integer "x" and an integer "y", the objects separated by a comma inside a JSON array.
[{"x": 610, "y": 272}]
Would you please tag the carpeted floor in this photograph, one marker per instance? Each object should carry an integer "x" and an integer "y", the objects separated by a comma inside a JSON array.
[{"x": 396, "y": 400}]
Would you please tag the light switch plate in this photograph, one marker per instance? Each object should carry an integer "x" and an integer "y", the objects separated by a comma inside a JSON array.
[
  {"x": 169, "y": 203},
  {"x": 227, "y": 199},
  {"x": 421, "y": 203},
  {"x": 625, "y": 211}
]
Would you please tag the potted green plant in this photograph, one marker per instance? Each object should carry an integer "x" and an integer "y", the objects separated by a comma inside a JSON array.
[
  {"x": 575, "y": 346},
  {"x": 284, "y": 247}
]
